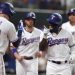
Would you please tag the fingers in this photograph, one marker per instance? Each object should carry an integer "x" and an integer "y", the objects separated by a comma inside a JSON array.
[{"x": 38, "y": 54}]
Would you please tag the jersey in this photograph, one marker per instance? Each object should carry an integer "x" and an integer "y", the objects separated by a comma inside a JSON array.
[
  {"x": 67, "y": 26},
  {"x": 7, "y": 33},
  {"x": 29, "y": 44},
  {"x": 59, "y": 45},
  {"x": 71, "y": 29}
]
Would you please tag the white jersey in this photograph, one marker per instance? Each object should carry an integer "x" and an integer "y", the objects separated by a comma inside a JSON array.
[
  {"x": 70, "y": 28},
  {"x": 58, "y": 46},
  {"x": 7, "y": 33},
  {"x": 67, "y": 26},
  {"x": 29, "y": 44}
]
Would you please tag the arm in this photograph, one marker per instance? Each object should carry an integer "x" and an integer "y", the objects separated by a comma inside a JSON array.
[
  {"x": 16, "y": 55},
  {"x": 43, "y": 48},
  {"x": 43, "y": 45},
  {"x": 72, "y": 49}
]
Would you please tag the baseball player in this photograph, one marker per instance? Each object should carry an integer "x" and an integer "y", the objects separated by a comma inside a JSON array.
[
  {"x": 28, "y": 49},
  {"x": 7, "y": 32},
  {"x": 59, "y": 44},
  {"x": 70, "y": 27}
]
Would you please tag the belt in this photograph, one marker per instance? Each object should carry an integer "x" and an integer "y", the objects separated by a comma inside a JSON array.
[
  {"x": 59, "y": 62},
  {"x": 28, "y": 58}
]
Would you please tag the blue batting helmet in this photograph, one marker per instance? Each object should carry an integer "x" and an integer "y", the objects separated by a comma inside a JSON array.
[
  {"x": 55, "y": 19},
  {"x": 30, "y": 15},
  {"x": 7, "y": 8},
  {"x": 71, "y": 11}
]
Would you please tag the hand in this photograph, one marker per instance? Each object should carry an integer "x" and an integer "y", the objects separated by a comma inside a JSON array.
[
  {"x": 38, "y": 54},
  {"x": 72, "y": 59},
  {"x": 20, "y": 58}
]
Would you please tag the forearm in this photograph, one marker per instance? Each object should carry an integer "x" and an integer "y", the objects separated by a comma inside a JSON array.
[
  {"x": 43, "y": 45},
  {"x": 16, "y": 43},
  {"x": 16, "y": 55}
]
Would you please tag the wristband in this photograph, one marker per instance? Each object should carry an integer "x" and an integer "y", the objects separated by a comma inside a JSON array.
[{"x": 14, "y": 50}]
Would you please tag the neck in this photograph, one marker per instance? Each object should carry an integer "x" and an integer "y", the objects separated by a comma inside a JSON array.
[
  {"x": 72, "y": 23},
  {"x": 5, "y": 16}
]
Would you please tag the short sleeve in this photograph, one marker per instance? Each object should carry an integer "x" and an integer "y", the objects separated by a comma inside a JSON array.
[
  {"x": 12, "y": 33},
  {"x": 41, "y": 36}
]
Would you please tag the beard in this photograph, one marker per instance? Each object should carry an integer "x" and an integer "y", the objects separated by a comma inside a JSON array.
[{"x": 55, "y": 29}]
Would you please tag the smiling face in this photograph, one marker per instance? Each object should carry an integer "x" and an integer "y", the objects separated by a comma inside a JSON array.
[
  {"x": 72, "y": 18},
  {"x": 29, "y": 22}
]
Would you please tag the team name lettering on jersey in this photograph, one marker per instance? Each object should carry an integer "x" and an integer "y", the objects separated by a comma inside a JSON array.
[
  {"x": 52, "y": 42},
  {"x": 28, "y": 41}
]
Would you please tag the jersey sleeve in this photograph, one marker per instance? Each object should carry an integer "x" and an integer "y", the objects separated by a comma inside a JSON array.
[
  {"x": 12, "y": 34},
  {"x": 63, "y": 26},
  {"x": 41, "y": 36}
]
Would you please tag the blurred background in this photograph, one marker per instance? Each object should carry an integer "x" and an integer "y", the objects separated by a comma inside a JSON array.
[{"x": 42, "y": 8}]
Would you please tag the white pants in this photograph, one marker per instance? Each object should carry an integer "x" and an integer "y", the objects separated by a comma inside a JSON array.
[
  {"x": 73, "y": 69},
  {"x": 27, "y": 67},
  {"x": 2, "y": 66},
  {"x": 58, "y": 69}
]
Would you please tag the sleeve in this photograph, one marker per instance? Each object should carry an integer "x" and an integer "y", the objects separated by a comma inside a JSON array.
[
  {"x": 63, "y": 26},
  {"x": 12, "y": 34},
  {"x": 41, "y": 36},
  {"x": 45, "y": 32},
  {"x": 71, "y": 41}
]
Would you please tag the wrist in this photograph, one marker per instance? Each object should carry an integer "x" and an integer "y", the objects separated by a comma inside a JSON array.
[{"x": 14, "y": 50}]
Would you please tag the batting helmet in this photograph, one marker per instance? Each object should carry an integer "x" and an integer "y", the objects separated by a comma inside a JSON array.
[
  {"x": 55, "y": 19},
  {"x": 7, "y": 8},
  {"x": 71, "y": 11},
  {"x": 30, "y": 15}
]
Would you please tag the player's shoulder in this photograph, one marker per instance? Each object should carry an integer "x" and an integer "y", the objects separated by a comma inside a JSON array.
[
  {"x": 6, "y": 22},
  {"x": 66, "y": 23},
  {"x": 37, "y": 29},
  {"x": 64, "y": 31}
]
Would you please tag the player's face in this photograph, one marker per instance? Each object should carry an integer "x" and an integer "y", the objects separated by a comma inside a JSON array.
[
  {"x": 72, "y": 18},
  {"x": 29, "y": 22},
  {"x": 51, "y": 26},
  {"x": 54, "y": 28}
]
